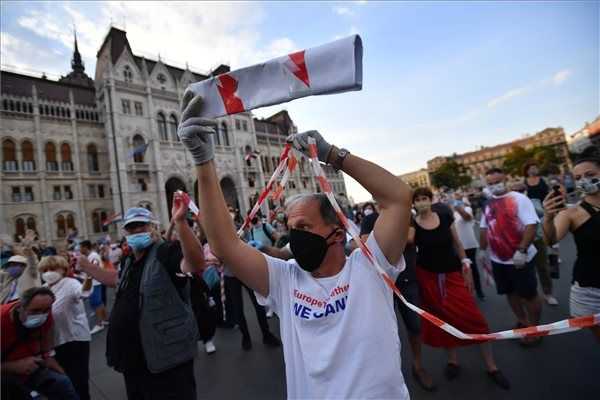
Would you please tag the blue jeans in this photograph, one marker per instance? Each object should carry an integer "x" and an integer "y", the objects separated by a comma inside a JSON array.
[{"x": 53, "y": 385}]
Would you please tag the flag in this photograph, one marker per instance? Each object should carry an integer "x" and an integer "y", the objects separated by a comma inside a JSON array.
[
  {"x": 111, "y": 218},
  {"x": 141, "y": 149}
]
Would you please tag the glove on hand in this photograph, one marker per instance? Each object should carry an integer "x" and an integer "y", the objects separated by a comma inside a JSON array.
[
  {"x": 196, "y": 133},
  {"x": 300, "y": 142},
  {"x": 519, "y": 259}
]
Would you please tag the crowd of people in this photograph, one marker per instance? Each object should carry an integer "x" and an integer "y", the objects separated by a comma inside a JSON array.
[{"x": 173, "y": 288}]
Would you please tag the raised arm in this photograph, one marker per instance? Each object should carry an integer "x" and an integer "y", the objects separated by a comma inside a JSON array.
[
  {"x": 107, "y": 277},
  {"x": 245, "y": 262},
  {"x": 190, "y": 245},
  {"x": 390, "y": 192}
]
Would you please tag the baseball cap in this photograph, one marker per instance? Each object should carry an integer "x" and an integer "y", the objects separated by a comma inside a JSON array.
[
  {"x": 17, "y": 259},
  {"x": 138, "y": 214}
]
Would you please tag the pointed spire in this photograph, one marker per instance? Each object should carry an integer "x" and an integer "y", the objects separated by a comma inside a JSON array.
[{"x": 76, "y": 63}]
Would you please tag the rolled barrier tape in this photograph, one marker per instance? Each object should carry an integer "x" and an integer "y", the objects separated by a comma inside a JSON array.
[{"x": 330, "y": 68}]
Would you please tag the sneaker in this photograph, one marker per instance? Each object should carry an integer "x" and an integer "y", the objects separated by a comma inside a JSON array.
[
  {"x": 105, "y": 323},
  {"x": 96, "y": 329},
  {"x": 499, "y": 379},
  {"x": 271, "y": 340},
  {"x": 551, "y": 300},
  {"x": 209, "y": 347},
  {"x": 270, "y": 314}
]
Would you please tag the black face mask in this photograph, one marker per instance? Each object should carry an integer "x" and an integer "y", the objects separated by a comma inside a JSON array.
[{"x": 309, "y": 249}]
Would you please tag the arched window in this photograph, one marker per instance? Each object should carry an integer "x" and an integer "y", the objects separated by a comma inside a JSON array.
[
  {"x": 139, "y": 148},
  {"x": 65, "y": 154},
  {"x": 92, "y": 157},
  {"x": 51, "y": 163},
  {"x": 31, "y": 224},
  {"x": 70, "y": 221},
  {"x": 225, "y": 134},
  {"x": 162, "y": 127},
  {"x": 127, "y": 74},
  {"x": 173, "y": 128},
  {"x": 61, "y": 226},
  {"x": 19, "y": 228},
  {"x": 9, "y": 156},
  {"x": 27, "y": 156}
]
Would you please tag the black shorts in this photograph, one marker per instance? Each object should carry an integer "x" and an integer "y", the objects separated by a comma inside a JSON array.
[
  {"x": 410, "y": 291},
  {"x": 509, "y": 279}
]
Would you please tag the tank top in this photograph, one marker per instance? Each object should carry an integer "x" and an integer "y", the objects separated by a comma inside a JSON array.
[
  {"x": 435, "y": 247},
  {"x": 586, "y": 271}
]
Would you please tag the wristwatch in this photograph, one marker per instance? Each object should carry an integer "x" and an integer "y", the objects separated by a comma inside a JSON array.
[{"x": 340, "y": 156}]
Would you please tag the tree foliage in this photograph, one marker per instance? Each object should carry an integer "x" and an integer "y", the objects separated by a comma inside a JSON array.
[
  {"x": 545, "y": 157},
  {"x": 451, "y": 175}
]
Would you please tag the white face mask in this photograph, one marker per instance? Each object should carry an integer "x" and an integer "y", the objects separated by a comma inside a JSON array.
[
  {"x": 51, "y": 277},
  {"x": 368, "y": 211},
  {"x": 497, "y": 189}
]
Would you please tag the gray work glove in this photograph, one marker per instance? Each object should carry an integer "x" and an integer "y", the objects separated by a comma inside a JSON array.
[
  {"x": 300, "y": 142},
  {"x": 196, "y": 133}
]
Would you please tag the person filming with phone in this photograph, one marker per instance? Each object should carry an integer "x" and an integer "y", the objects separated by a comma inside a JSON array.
[{"x": 583, "y": 221}]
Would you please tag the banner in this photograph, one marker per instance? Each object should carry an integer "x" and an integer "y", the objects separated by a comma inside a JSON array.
[{"x": 330, "y": 68}]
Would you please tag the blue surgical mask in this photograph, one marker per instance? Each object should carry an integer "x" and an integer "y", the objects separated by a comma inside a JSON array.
[
  {"x": 14, "y": 271},
  {"x": 35, "y": 320},
  {"x": 139, "y": 241}
]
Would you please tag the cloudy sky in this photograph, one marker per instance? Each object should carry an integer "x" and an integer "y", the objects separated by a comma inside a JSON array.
[{"x": 438, "y": 78}]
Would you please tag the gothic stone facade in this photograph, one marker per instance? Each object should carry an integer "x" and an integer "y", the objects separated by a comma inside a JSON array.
[{"x": 78, "y": 150}]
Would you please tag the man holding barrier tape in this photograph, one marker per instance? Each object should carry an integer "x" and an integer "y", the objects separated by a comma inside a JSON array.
[{"x": 346, "y": 344}]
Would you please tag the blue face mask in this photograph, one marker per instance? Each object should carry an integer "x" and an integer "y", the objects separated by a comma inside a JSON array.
[
  {"x": 139, "y": 241},
  {"x": 35, "y": 320},
  {"x": 14, "y": 271}
]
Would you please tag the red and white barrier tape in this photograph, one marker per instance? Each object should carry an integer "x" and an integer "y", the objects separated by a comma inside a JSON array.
[
  {"x": 555, "y": 328},
  {"x": 263, "y": 196}
]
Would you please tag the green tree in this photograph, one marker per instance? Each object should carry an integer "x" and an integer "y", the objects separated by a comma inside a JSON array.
[
  {"x": 545, "y": 157},
  {"x": 450, "y": 174}
]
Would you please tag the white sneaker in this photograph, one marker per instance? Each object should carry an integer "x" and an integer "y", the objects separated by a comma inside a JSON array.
[
  {"x": 97, "y": 329},
  {"x": 270, "y": 314},
  {"x": 551, "y": 300},
  {"x": 209, "y": 347}
]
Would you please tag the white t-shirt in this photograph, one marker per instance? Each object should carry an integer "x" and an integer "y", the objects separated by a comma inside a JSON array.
[
  {"x": 340, "y": 334},
  {"x": 464, "y": 229},
  {"x": 95, "y": 258},
  {"x": 70, "y": 322},
  {"x": 505, "y": 218}
]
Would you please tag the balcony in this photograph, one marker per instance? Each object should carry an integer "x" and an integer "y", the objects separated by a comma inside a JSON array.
[
  {"x": 51, "y": 166},
  {"x": 28, "y": 166},
  {"x": 10, "y": 166}
]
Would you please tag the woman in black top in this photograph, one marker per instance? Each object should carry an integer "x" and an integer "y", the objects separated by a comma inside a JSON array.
[
  {"x": 446, "y": 285},
  {"x": 583, "y": 221}
]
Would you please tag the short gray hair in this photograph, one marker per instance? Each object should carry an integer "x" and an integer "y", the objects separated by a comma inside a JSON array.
[{"x": 325, "y": 208}]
